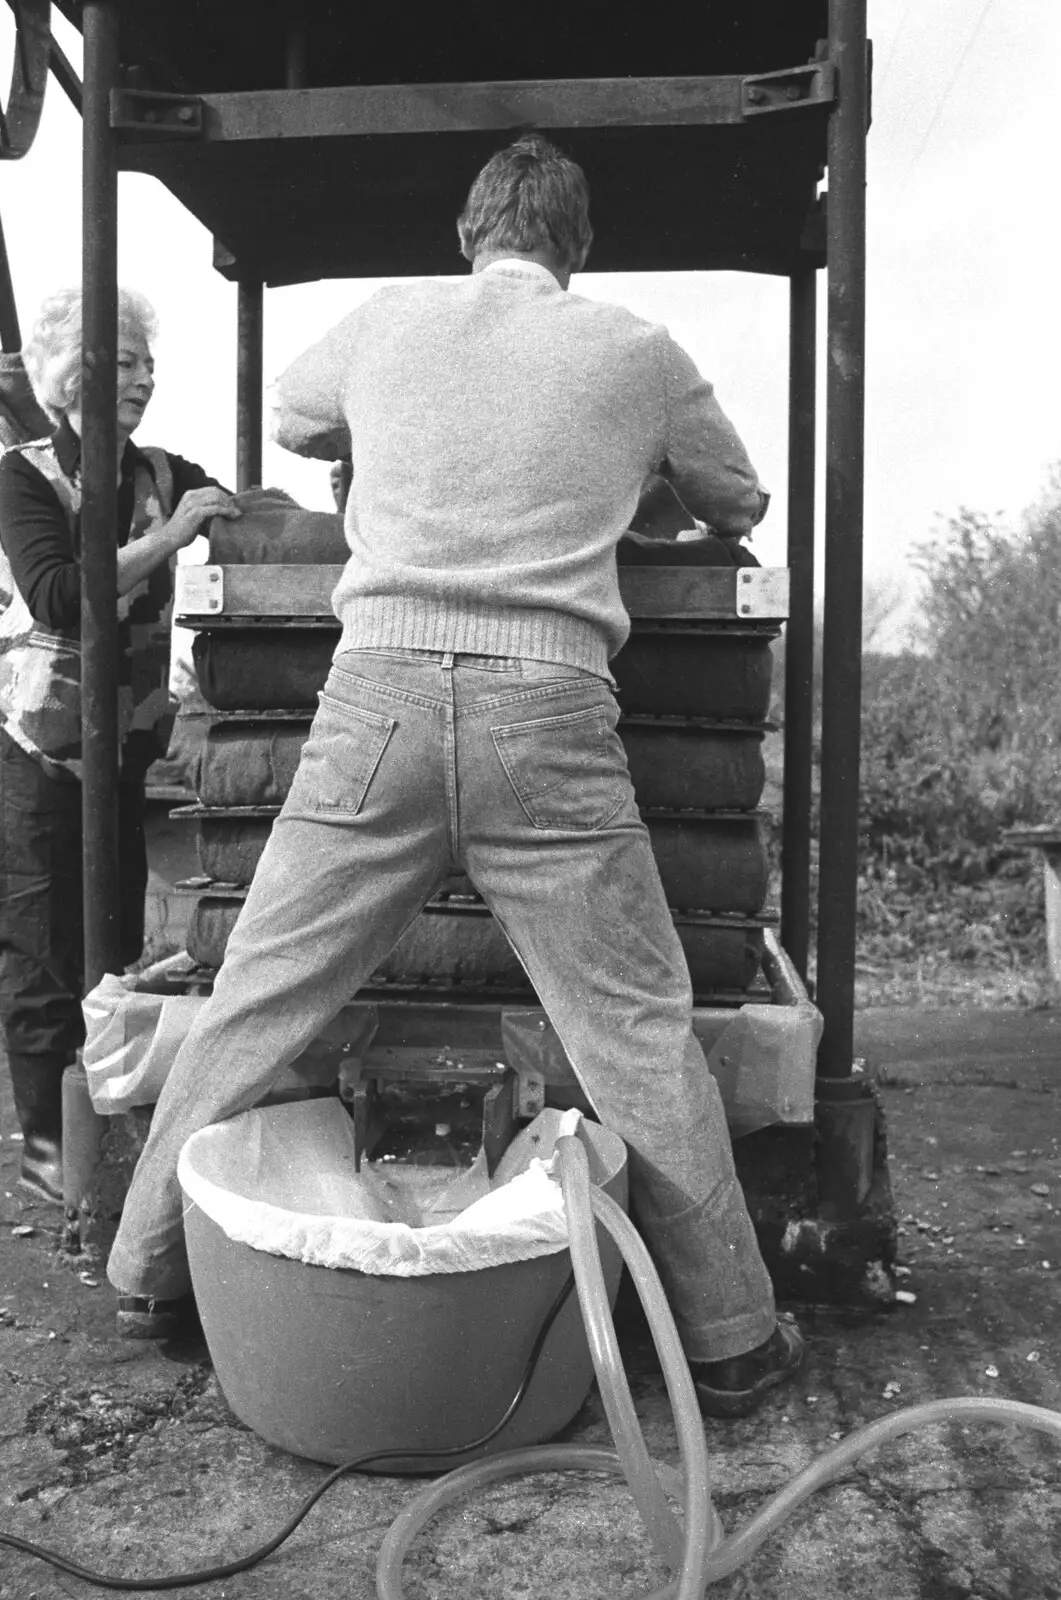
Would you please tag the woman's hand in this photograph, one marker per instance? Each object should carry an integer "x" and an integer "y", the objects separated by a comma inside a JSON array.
[
  {"x": 195, "y": 508},
  {"x": 141, "y": 556}
]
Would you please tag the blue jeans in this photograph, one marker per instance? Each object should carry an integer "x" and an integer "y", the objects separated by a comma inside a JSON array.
[{"x": 420, "y": 763}]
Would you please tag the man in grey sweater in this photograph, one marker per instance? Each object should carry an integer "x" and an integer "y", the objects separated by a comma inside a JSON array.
[{"x": 500, "y": 431}]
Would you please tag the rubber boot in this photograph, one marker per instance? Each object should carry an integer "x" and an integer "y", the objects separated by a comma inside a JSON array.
[{"x": 38, "y": 1086}]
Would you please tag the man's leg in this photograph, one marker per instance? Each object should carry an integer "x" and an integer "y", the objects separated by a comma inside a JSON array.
[
  {"x": 552, "y": 838},
  {"x": 361, "y": 843}
]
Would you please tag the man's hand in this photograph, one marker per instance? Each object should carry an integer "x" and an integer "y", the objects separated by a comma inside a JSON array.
[{"x": 660, "y": 512}]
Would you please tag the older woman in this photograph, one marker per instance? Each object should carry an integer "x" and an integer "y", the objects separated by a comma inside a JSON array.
[{"x": 163, "y": 502}]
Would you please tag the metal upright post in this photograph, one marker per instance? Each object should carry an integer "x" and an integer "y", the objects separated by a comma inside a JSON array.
[
  {"x": 251, "y": 310},
  {"x": 799, "y": 635},
  {"x": 845, "y": 1112},
  {"x": 842, "y": 639},
  {"x": 99, "y": 507},
  {"x": 249, "y": 384}
]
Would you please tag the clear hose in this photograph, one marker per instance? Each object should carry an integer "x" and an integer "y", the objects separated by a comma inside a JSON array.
[{"x": 699, "y": 1550}]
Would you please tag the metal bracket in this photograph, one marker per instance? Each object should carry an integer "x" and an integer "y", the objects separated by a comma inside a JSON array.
[
  {"x": 763, "y": 592},
  {"x": 788, "y": 90},
  {"x": 198, "y": 590},
  {"x": 530, "y": 1094},
  {"x": 156, "y": 115}
]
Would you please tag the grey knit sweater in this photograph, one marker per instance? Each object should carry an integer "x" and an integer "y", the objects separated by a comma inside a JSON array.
[{"x": 500, "y": 430}]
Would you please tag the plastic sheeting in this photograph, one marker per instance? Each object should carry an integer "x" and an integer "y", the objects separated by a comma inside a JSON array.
[
  {"x": 762, "y": 1058},
  {"x": 131, "y": 1041},
  {"x": 284, "y": 1181},
  {"x": 132, "y": 1038},
  {"x": 764, "y": 1063}
]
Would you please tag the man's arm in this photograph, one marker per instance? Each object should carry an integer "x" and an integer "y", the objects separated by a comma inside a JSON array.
[
  {"x": 704, "y": 458},
  {"x": 309, "y": 417},
  {"x": 660, "y": 513}
]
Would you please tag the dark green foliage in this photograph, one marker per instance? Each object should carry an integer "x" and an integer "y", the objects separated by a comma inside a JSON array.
[{"x": 962, "y": 742}]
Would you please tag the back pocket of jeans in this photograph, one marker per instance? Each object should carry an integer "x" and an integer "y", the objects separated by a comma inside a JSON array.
[
  {"x": 339, "y": 759},
  {"x": 566, "y": 772}
]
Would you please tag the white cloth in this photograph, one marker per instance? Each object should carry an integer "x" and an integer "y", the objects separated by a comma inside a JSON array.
[{"x": 282, "y": 1180}]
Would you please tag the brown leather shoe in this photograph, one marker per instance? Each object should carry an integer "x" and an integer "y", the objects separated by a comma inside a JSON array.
[
  {"x": 143, "y": 1317},
  {"x": 736, "y": 1387}
]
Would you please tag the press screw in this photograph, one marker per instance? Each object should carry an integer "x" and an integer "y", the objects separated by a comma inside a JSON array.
[
  {"x": 756, "y": 96},
  {"x": 185, "y": 114}
]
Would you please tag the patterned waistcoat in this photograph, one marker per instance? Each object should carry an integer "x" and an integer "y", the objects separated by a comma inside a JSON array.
[{"x": 40, "y": 668}]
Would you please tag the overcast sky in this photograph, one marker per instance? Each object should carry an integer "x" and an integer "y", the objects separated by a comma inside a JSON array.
[{"x": 964, "y": 332}]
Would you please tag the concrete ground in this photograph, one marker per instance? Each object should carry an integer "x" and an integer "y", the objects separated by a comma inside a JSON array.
[{"x": 128, "y": 1459}]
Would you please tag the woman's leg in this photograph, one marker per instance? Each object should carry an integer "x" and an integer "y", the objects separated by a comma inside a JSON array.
[{"x": 41, "y": 960}]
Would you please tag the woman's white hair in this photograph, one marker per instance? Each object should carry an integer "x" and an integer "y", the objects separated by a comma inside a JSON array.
[{"x": 52, "y": 354}]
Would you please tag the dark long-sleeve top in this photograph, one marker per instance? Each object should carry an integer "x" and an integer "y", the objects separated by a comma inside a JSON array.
[{"x": 36, "y": 534}]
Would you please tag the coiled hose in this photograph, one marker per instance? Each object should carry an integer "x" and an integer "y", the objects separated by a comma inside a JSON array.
[{"x": 697, "y": 1550}]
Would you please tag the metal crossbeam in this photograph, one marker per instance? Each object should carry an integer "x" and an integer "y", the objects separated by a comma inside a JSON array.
[
  {"x": 748, "y": 594},
  {"x": 381, "y": 109}
]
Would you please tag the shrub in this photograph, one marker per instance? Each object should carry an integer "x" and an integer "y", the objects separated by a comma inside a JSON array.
[{"x": 961, "y": 740}]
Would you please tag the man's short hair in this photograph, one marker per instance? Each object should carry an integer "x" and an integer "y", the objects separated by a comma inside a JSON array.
[{"x": 529, "y": 196}]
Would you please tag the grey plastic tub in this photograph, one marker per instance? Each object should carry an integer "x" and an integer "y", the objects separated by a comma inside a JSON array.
[{"x": 329, "y": 1363}]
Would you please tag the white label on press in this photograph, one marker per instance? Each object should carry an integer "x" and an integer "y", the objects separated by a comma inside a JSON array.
[
  {"x": 762, "y": 592},
  {"x": 199, "y": 591}
]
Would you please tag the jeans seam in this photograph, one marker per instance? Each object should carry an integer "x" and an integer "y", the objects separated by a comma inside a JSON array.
[
  {"x": 387, "y": 691},
  {"x": 545, "y": 691},
  {"x": 513, "y": 730},
  {"x": 449, "y": 742}
]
